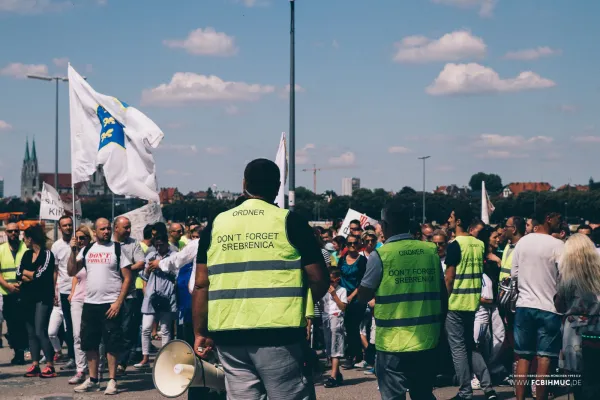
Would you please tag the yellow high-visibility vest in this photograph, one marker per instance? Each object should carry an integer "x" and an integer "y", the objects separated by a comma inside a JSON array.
[
  {"x": 255, "y": 273},
  {"x": 9, "y": 264},
  {"x": 506, "y": 265},
  {"x": 467, "y": 283}
]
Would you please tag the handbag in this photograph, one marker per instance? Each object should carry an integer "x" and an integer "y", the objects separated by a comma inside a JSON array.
[
  {"x": 508, "y": 293},
  {"x": 159, "y": 301}
]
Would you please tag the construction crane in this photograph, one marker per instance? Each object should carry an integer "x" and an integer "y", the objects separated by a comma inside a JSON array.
[{"x": 314, "y": 170}]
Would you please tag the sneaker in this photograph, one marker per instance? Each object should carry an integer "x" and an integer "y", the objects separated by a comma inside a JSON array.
[
  {"x": 491, "y": 395},
  {"x": 475, "y": 384},
  {"x": 87, "y": 386},
  {"x": 69, "y": 366},
  {"x": 48, "y": 372},
  {"x": 111, "y": 388},
  {"x": 370, "y": 371},
  {"x": 348, "y": 365},
  {"x": 331, "y": 383},
  {"x": 58, "y": 357},
  {"x": 77, "y": 378},
  {"x": 142, "y": 366},
  {"x": 33, "y": 372},
  {"x": 363, "y": 364}
]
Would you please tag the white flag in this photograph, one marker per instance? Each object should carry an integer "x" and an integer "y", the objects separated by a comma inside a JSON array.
[
  {"x": 487, "y": 208},
  {"x": 352, "y": 215},
  {"x": 108, "y": 132},
  {"x": 281, "y": 161},
  {"x": 52, "y": 207},
  {"x": 140, "y": 217}
]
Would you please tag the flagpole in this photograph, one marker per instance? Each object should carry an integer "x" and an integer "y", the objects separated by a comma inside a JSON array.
[
  {"x": 74, "y": 211},
  {"x": 292, "y": 190},
  {"x": 113, "y": 208}
]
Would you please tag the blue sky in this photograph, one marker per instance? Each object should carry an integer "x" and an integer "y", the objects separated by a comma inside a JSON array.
[{"x": 501, "y": 86}]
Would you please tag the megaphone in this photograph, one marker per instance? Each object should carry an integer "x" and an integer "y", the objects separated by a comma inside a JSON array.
[{"x": 177, "y": 368}]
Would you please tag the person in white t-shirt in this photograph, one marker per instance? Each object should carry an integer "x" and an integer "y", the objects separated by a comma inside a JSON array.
[
  {"x": 108, "y": 281},
  {"x": 334, "y": 303}
]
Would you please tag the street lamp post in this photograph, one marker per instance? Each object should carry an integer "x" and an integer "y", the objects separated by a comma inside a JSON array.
[
  {"x": 424, "y": 158},
  {"x": 56, "y": 79},
  {"x": 292, "y": 190}
]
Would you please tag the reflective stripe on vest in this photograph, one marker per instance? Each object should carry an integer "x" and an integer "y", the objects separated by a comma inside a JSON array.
[
  {"x": 407, "y": 302},
  {"x": 506, "y": 265},
  {"x": 9, "y": 265},
  {"x": 467, "y": 283},
  {"x": 255, "y": 273}
]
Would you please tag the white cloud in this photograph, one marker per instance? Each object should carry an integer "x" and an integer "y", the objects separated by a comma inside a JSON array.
[
  {"x": 486, "y": 7},
  {"x": 188, "y": 87},
  {"x": 452, "y": 46},
  {"x": 587, "y": 139},
  {"x": 232, "y": 110},
  {"x": 493, "y": 140},
  {"x": 473, "y": 78},
  {"x": 567, "y": 108},
  {"x": 5, "y": 126},
  {"x": 348, "y": 158},
  {"x": 253, "y": 3},
  {"x": 187, "y": 149},
  {"x": 399, "y": 150},
  {"x": 216, "y": 150},
  {"x": 20, "y": 71},
  {"x": 532, "y": 54},
  {"x": 335, "y": 44},
  {"x": 207, "y": 42},
  {"x": 32, "y": 6},
  {"x": 501, "y": 154},
  {"x": 285, "y": 92},
  {"x": 61, "y": 62},
  {"x": 303, "y": 154}
]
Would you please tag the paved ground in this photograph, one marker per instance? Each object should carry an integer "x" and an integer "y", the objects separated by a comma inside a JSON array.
[{"x": 139, "y": 386}]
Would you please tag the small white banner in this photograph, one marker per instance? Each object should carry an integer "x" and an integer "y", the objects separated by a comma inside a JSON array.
[
  {"x": 52, "y": 207},
  {"x": 364, "y": 220}
]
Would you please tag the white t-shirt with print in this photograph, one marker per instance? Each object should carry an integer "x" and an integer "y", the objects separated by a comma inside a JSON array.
[
  {"x": 104, "y": 280},
  {"x": 329, "y": 305},
  {"x": 62, "y": 253}
]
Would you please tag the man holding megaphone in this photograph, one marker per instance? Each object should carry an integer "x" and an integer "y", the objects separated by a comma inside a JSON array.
[{"x": 255, "y": 265}]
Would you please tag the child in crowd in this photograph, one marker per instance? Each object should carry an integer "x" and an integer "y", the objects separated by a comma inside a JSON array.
[{"x": 334, "y": 303}]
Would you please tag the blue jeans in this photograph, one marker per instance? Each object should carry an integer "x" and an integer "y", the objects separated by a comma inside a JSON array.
[{"x": 537, "y": 332}]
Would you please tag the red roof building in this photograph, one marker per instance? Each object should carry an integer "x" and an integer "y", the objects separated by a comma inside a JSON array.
[{"x": 516, "y": 188}]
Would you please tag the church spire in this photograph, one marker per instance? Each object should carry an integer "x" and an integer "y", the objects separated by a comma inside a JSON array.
[
  {"x": 33, "y": 153},
  {"x": 27, "y": 158}
]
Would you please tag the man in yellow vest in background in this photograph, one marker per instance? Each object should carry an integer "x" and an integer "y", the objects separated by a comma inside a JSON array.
[
  {"x": 464, "y": 270},
  {"x": 11, "y": 253},
  {"x": 405, "y": 277},
  {"x": 513, "y": 232},
  {"x": 255, "y": 265}
]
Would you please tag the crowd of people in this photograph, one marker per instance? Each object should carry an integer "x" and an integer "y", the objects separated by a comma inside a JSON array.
[{"x": 516, "y": 300}]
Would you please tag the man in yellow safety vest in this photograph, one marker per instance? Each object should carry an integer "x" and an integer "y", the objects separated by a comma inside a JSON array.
[
  {"x": 255, "y": 265},
  {"x": 405, "y": 277}
]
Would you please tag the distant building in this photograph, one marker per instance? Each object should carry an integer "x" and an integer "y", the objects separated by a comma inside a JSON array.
[
  {"x": 1, "y": 187},
  {"x": 169, "y": 195},
  {"x": 571, "y": 188},
  {"x": 516, "y": 188},
  {"x": 349, "y": 185},
  {"x": 452, "y": 190},
  {"x": 32, "y": 180},
  {"x": 226, "y": 195}
]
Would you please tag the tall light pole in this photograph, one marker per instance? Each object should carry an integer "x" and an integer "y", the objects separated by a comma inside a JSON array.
[
  {"x": 424, "y": 158},
  {"x": 56, "y": 79},
  {"x": 292, "y": 190}
]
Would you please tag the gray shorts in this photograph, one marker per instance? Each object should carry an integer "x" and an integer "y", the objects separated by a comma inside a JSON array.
[
  {"x": 334, "y": 333},
  {"x": 260, "y": 373}
]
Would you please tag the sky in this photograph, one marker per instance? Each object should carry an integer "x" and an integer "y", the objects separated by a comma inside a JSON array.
[{"x": 499, "y": 86}]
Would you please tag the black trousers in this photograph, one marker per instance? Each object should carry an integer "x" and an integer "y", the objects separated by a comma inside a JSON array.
[
  {"x": 15, "y": 323},
  {"x": 68, "y": 321},
  {"x": 131, "y": 320},
  {"x": 37, "y": 319},
  {"x": 397, "y": 372},
  {"x": 353, "y": 316}
]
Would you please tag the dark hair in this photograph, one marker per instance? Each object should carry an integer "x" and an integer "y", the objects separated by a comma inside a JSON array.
[
  {"x": 64, "y": 217},
  {"x": 160, "y": 228},
  {"x": 464, "y": 213},
  {"x": 542, "y": 216},
  {"x": 565, "y": 227},
  {"x": 485, "y": 235},
  {"x": 369, "y": 228},
  {"x": 341, "y": 241},
  {"x": 595, "y": 236},
  {"x": 262, "y": 178},
  {"x": 37, "y": 235},
  {"x": 240, "y": 200},
  {"x": 354, "y": 221},
  {"x": 191, "y": 221},
  {"x": 353, "y": 236},
  {"x": 520, "y": 224},
  {"x": 161, "y": 236},
  {"x": 197, "y": 229},
  {"x": 398, "y": 219},
  {"x": 584, "y": 226},
  {"x": 476, "y": 222},
  {"x": 148, "y": 232},
  {"x": 317, "y": 234},
  {"x": 335, "y": 272}
]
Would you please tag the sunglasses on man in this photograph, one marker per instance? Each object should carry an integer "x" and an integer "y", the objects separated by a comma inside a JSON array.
[{"x": 13, "y": 231}]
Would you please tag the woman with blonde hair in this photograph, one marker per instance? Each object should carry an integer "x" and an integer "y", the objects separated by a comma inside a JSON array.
[{"x": 578, "y": 298}]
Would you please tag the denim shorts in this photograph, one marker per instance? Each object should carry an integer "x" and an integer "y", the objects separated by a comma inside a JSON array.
[{"x": 537, "y": 332}]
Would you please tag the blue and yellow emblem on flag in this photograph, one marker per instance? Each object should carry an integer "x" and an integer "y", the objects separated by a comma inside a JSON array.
[{"x": 112, "y": 131}]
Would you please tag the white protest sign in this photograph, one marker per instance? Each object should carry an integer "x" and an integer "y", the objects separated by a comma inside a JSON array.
[
  {"x": 52, "y": 207},
  {"x": 352, "y": 215},
  {"x": 140, "y": 217}
]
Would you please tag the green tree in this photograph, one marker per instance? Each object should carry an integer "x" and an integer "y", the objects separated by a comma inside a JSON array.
[
  {"x": 407, "y": 190},
  {"x": 493, "y": 182}
]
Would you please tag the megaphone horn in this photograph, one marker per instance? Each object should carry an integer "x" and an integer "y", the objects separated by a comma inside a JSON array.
[{"x": 177, "y": 368}]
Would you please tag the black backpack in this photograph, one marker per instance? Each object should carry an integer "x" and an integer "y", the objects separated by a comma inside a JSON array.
[{"x": 117, "y": 253}]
